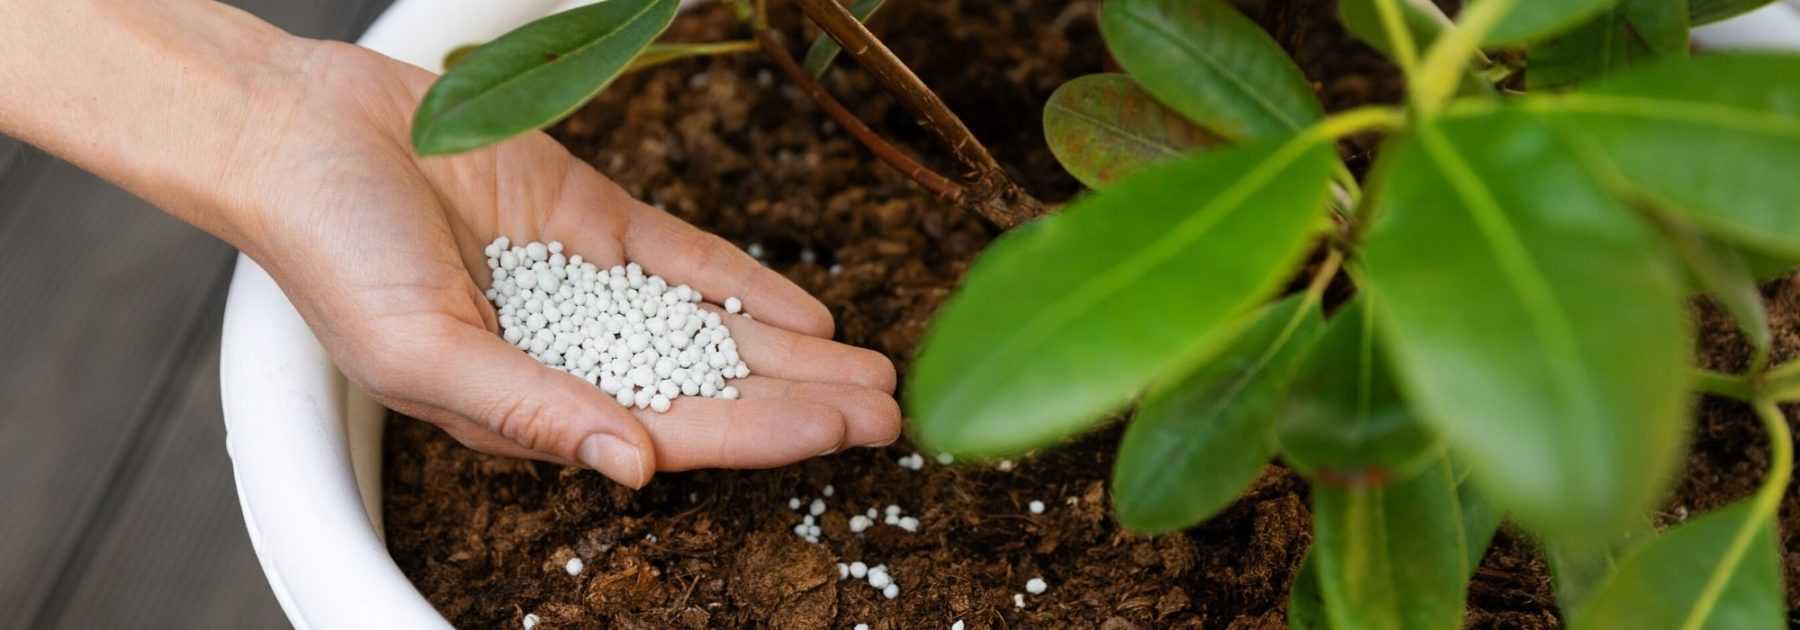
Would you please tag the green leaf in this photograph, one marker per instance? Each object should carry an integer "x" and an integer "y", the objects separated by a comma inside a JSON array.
[
  {"x": 825, "y": 49},
  {"x": 534, "y": 75},
  {"x": 1722, "y": 273},
  {"x": 1634, "y": 31},
  {"x": 1663, "y": 582},
  {"x": 1306, "y": 605},
  {"x": 1103, "y": 126},
  {"x": 1480, "y": 519},
  {"x": 1196, "y": 444},
  {"x": 1765, "y": 267},
  {"x": 1344, "y": 419},
  {"x": 1502, "y": 274},
  {"x": 1580, "y": 569},
  {"x": 1532, "y": 20},
  {"x": 1391, "y": 557},
  {"x": 1714, "y": 137},
  {"x": 1206, "y": 60},
  {"x": 1709, "y": 11},
  {"x": 1064, "y": 321}
]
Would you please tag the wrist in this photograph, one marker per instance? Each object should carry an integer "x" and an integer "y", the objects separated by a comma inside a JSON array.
[{"x": 167, "y": 98}]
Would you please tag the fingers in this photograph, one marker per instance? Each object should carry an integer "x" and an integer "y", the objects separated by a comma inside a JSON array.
[
  {"x": 713, "y": 433},
  {"x": 474, "y": 374},
  {"x": 772, "y": 351},
  {"x": 871, "y": 417}
]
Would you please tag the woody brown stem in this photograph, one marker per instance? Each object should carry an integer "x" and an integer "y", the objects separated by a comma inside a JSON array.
[
  {"x": 893, "y": 156},
  {"x": 989, "y": 190}
]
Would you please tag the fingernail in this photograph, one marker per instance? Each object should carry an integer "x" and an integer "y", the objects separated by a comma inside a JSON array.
[{"x": 614, "y": 458}]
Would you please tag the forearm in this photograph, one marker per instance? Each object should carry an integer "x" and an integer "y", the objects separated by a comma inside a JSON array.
[{"x": 166, "y": 98}]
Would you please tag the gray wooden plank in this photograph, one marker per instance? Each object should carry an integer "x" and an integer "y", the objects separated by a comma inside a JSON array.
[
  {"x": 177, "y": 555},
  {"x": 97, "y": 288},
  {"x": 104, "y": 295},
  {"x": 9, "y": 151}
]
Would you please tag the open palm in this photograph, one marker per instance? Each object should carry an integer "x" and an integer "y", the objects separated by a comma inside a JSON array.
[{"x": 380, "y": 250}]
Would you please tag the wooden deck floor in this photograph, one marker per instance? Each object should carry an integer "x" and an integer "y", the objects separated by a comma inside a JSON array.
[{"x": 117, "y": 508}]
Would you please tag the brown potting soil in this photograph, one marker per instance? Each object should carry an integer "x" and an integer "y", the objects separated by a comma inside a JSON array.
[{"x": 728, "y": 145}]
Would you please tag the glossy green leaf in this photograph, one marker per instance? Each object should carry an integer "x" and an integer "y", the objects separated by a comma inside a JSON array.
[
  {"x": 1709, "y": 11},
  {"x": 825, "y": 49},
  {"x": 535, "y": 75},
  {"x": 1633, "y": 31},
  {"x": 1393, "y": 556},
  {"x": 1503, "y": 275},
  {"x": 1196, "y": 444},
  {"x": 1103, "y": 126},
  {"x": 1064, "y": 321},
  {"x": 1533, "y": 20},
  {"x": 1344, "y": 419},
  {"x": 458, "y": 54},
  {"x": 1661, "y": 583},
  {"x": 1206, "y": 60},
  {"x": 1713, "y": 137}
]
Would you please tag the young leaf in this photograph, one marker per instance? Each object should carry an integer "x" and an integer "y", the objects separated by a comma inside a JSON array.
[
  {"x": 1714, "y": 137},
  {"x": 1344, "y": 419},
  {"x": 825, "y": 49},
  {"x": 1709, "y": 11},
  {"x": 1424, "y": 20},
  {"x": 1391, "y": 557},
  {"x": 534, "y": 75},
  {"x": 1206, "y": 60},
  {"x": 1502, "y": 273},
  {"x": 1532, "y": 20},
  {"x": 1663, "y": 582},
  {"x": 1195, "y": 445},
  {"x": 1103, "y": 126},
  {"x": 1062, "y": 322},
  {"x": 1634, "y": 31}
]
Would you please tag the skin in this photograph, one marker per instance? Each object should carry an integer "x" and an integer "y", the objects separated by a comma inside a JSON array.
[{"x": 297, "y": 152}]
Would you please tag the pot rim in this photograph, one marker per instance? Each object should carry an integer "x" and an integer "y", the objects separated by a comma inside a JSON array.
[{"x": 306, "y": 448}]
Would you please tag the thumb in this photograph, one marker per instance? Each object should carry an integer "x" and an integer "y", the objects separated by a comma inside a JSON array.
[{"x": 544, "y": 410}]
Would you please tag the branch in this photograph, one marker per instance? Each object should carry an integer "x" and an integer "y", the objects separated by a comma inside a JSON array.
[
  {"x": 937, "y": 184},
  {"x": 991, "y": 191}
]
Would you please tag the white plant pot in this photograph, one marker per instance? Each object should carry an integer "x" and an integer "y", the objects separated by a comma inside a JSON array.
[{"x": 306, "y": 447}]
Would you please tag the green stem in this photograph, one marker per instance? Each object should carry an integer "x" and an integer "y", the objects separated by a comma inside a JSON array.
[
  {"x": 1444, "y": 63},
  {"x": 1763, "y": 508},
  {"x": 1406, "y": 51},
  {"x": 1726, "y": 385},
  {"x": 659, "y": 54}
]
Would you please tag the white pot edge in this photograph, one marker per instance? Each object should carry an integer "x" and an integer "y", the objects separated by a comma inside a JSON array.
[{"x": 306, "y": 448}]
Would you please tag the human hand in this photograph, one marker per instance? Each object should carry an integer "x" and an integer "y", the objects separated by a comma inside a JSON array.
[{"x": 380, "y": 251}]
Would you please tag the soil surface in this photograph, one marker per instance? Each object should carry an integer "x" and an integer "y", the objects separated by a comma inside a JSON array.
[{"x": 728, "y": 145}]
